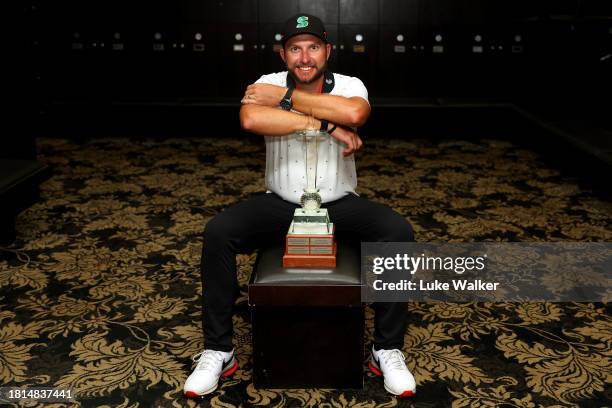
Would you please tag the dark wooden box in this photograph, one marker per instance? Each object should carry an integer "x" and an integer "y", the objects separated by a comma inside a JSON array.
[
  {"x": 19, "y": 189},
  {"x": 308, "y": 324}
]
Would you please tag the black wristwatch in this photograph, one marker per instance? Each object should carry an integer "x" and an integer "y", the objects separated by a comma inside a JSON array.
[{"x": 286, "y": 103}]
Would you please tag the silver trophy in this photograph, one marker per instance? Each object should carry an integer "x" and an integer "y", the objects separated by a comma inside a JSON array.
[{"x": 310, "y": 239}]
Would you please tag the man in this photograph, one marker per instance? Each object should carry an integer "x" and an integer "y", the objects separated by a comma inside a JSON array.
[{"x": 277, "y": 106}]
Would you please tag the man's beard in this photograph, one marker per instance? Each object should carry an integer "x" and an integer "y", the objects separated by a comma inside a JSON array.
[{"x": 318, "y": 75}]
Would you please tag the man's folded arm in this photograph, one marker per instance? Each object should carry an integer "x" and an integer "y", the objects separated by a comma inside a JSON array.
[
  {"x": 351, "y": 112},
  {"x": 345, "y": 111},
  {"x": 265, "y": 120}
]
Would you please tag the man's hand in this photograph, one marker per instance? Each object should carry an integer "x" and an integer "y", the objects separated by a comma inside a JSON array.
[
  {"x": 263, "y": 94},
  {"x": 349, "y": 137}
]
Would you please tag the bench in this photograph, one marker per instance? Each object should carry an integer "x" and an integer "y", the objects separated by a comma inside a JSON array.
[{"x": 308, "y": 325}]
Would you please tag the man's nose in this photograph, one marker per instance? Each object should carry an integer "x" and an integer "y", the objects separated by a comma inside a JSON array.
[{"x": 305, "y": 59}]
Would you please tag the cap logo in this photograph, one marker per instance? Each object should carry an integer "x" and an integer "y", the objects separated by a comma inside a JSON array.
[{"x": 302, "y": 22}]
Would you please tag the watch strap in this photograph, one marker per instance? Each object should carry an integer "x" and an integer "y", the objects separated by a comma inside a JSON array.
[{"x": 324, "y": 125}]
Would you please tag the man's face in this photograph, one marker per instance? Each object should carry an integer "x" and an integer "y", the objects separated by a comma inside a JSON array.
[{"x": 306, "y": 57}]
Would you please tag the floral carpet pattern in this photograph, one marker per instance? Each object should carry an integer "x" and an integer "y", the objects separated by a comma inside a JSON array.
[{"x": 101, "y": 291}]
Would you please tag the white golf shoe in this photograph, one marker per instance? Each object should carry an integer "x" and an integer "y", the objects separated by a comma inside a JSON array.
[
  {"x": 390, "y": 364},
  {"x": 211, "y": 365}
]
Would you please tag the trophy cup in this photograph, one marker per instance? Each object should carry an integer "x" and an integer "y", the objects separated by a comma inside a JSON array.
[{"x": 310, "y": 239}]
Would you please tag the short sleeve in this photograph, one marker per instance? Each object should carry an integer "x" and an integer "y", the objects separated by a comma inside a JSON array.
[
  {"x": 354, "y": 87},
  {"x": 278, "y": 78}
]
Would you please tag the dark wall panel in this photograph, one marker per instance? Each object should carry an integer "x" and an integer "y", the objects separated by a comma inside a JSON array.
[
  {"x": 399, "y": 12},
  {"x": 358, "y": 12},
  {"x": 326, "y": 10},
  {"x": 236, "y": 11},
  {"x": 195, "y": 11},
  {"x": 595, "y": 8},
  {"x": 557, "y": 7},
  {"x": 334, "y": 39},
  {"x": 276, "y": 11},
  {"x": 440, "y": 12}
]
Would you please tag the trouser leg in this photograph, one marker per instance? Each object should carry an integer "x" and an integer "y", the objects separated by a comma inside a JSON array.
[
  {"x": 359, "y": 218},
  {"x": 240, "y": 228}
]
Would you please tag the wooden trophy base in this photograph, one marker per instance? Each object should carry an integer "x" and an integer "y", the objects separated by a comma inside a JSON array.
[{"x": 309, "y": 257}]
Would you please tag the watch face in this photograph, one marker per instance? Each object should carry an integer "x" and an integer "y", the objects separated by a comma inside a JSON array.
[{"x": 285, "y": 104}]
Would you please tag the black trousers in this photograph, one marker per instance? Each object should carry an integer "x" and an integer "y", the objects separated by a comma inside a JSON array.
[{"x": 264, "y": 219}]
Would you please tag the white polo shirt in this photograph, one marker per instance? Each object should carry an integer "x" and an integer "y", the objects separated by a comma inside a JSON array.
[{"x": 285, "y": 155}]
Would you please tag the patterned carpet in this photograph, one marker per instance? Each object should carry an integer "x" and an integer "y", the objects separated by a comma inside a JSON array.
[{"x": 101, "y": 292}]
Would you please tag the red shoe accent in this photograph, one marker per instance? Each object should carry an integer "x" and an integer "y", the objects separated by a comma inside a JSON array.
[
  {"x": 230, "y": 370},
  {"x": 374, "y": 369},
  {"x": 406, "y": 394},
  {"x": 191, "y": 394}
]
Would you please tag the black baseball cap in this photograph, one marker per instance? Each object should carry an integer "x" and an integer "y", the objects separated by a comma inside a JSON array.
[{"x": 303, "y": 24}]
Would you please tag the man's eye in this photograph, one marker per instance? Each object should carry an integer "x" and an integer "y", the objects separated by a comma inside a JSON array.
[
  {"x": 314, "y": 47},
  {"x": 294, "y": 49}
]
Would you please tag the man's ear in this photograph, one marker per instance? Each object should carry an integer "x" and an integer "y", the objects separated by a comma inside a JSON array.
[
  {"x": 282, "y": 54},
  {"x": 329, "y": 49}
]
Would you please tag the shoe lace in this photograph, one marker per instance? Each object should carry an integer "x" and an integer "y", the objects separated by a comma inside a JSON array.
[
  {"x": 208, "y": 359},
  {"x": 394, "y": 359}
]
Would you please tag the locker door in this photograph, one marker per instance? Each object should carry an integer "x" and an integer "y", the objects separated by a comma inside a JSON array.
[
  {"x": 161, "y": 49},
  {"x": 196, "y": 61},
  {"x": 439, "y": 45},
  {"x": 474, "y": 55},
  {"x": 237, "y": 41},
  {"x": 75, "y": 55},
  {"x": 113, "y": 40},
  {"x": 552, "y": 55},
  {"x": 358, "y": 41},
  {"x": 158, "y": 33},
  {"x": 269, "y": 47},
  {"x": 238, "y": 55},
  {"x": 516, "y": 42},
  {"x": 358, "y": 52},
  {"x": 396, "y": 67},
  {"x": 398, "y": 59}
]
